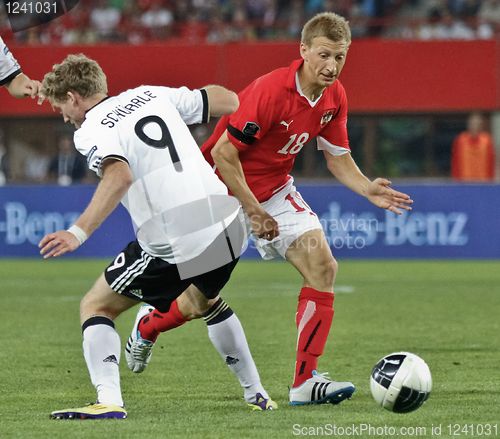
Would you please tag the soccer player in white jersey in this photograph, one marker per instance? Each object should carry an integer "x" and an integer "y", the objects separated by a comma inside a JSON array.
[
  {"x": 187, "y": 227},
  {"x": 11, "y": 76}
]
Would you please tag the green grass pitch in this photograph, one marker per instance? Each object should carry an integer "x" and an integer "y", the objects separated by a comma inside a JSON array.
[{"x": 446, "y": 312}]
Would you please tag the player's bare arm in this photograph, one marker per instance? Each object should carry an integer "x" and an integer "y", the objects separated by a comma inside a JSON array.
[
  {"x": 227, "y": 160},
  {"x": 22, "y": 86},
  {"x": 221, "y": 101},
  {"x": 378, "y": 191},
  {"x": 115, "y": 183}
]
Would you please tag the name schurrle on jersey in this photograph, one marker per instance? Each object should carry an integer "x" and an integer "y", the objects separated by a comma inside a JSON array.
[{"x": 121, "y": 111}]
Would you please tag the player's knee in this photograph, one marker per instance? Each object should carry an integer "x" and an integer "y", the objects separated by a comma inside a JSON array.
[
  {"x": 205, "y": 306},
  {"x": 194, "y": 306},
  {"x": 91, "y": 306}
]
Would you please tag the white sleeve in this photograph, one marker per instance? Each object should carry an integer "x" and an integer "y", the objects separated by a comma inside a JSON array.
[
  {"x": 9, "y": 67},
  {"x": 98, "y": 148},
  {"x": 192, "y": 105},
  {"x": 325, "y": 145}
]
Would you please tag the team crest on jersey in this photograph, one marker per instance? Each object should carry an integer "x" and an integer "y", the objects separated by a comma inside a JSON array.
[
  {"x": 327, "y": 117},
  {"x": 251, "y": 129}
]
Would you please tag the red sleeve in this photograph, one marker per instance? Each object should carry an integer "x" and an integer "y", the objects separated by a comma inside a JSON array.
[
  {"x": 335, "y": 132},
  {"x": 254, "y": 116}
]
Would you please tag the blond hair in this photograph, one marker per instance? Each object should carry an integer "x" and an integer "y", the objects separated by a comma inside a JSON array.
[
  {"x": 326, "y": 24},
  {"x": 75, "y": 73}
]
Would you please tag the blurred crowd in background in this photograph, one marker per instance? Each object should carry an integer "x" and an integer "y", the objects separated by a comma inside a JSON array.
[{"x": 220, "y": 21}]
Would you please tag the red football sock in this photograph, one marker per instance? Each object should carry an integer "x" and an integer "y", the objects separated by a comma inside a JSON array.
[
  {"x": 313, "y": 319},
  {"x": 155, "y": 322}
]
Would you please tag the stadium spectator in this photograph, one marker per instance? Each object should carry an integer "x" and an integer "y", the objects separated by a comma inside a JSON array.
[
  {"x": 154, "y": 177},
  {"x": 490, "y": 11},
  {"x": 105, "y": 19},
  {"x": 36, "y": 164},
  {"x": 442, "y": 25},
  {"x": 255, "y": 148},
  {"x": 193, "y": 30},
  {"x": 473, "y": 152},
  {"x": 12, "y": 78},
  {"x": 68, "y": 166},
  {"x": 158, "y": 20}
]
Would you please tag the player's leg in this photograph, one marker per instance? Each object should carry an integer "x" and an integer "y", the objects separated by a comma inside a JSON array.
[
  {"x": 191, "y": 304},
  {"x": 311, "y": 256},
  {"x": 303, "y": 244},
  {"x": 151, "y": 322},
  {"x": 228, "y": 337},
  {"x": 224, "y": 331},
  {"x": 101, "y": 349}
]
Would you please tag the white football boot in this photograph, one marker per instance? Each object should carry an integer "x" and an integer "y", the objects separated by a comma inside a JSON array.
[
  {"x": 138, "y": 350},
  {"x": 319, "y": 389}
]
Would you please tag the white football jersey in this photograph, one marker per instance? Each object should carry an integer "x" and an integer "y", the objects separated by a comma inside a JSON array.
[
  {"x": 9, "y": 67},
  {"x": 177, "y": 203}
]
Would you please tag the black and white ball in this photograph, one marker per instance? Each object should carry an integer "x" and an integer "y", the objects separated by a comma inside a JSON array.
[{"x": 401, "y": 382}]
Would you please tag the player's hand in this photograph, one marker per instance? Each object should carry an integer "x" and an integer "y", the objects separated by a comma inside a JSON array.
[
  {"x": 40, "y": 98},
  {"x": 31, "y": 88},
  {"x": 382, "y": 195},
  {"x": 57, "y": 244},
  {"x": 263, "y": 225}
]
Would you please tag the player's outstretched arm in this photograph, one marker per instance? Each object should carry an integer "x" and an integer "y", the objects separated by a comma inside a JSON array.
[
  {"x": 221, "y": 100},
  {"x": 22, "y": 86},
  {"x": 227, "y": 160},
  {"x": 378, "y": 191},
  {"x": 116, "y": 180}
]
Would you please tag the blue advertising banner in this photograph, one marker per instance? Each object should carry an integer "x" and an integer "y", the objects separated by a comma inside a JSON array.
[
  {"x": 447, "y": 221},
  {"x": 27, "y": 213}
]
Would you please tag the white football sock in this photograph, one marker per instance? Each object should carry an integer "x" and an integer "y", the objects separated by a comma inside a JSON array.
[
  {"x": 227, "y": 336},
  {"x": 101, "y": 349}
]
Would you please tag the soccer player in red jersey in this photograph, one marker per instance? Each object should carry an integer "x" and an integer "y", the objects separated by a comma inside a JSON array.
[{"x": 254, "y": 150}]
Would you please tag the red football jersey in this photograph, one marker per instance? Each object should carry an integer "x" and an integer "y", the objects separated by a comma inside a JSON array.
[{"x": 274, "y": 121}]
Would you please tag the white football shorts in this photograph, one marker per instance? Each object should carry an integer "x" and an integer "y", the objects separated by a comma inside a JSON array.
[{"x": 294, "y": 218}]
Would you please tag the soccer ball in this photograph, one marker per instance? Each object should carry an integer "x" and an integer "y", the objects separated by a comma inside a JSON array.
[{"x": 401, "y": 382}]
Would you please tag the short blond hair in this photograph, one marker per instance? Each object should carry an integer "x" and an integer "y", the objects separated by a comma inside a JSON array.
[
  {"x": 326, "y": 24},
  {"x": 75, "y": 73}
]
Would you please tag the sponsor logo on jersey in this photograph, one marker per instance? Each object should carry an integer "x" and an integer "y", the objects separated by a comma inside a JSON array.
[
  {"x": 251, "y": 129},
  {"x": 286, "y": 124},
  {"x": 327, "y": 117}
]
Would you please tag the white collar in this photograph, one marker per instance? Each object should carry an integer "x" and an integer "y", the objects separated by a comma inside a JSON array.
[{"x": 299, "y": 89}]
